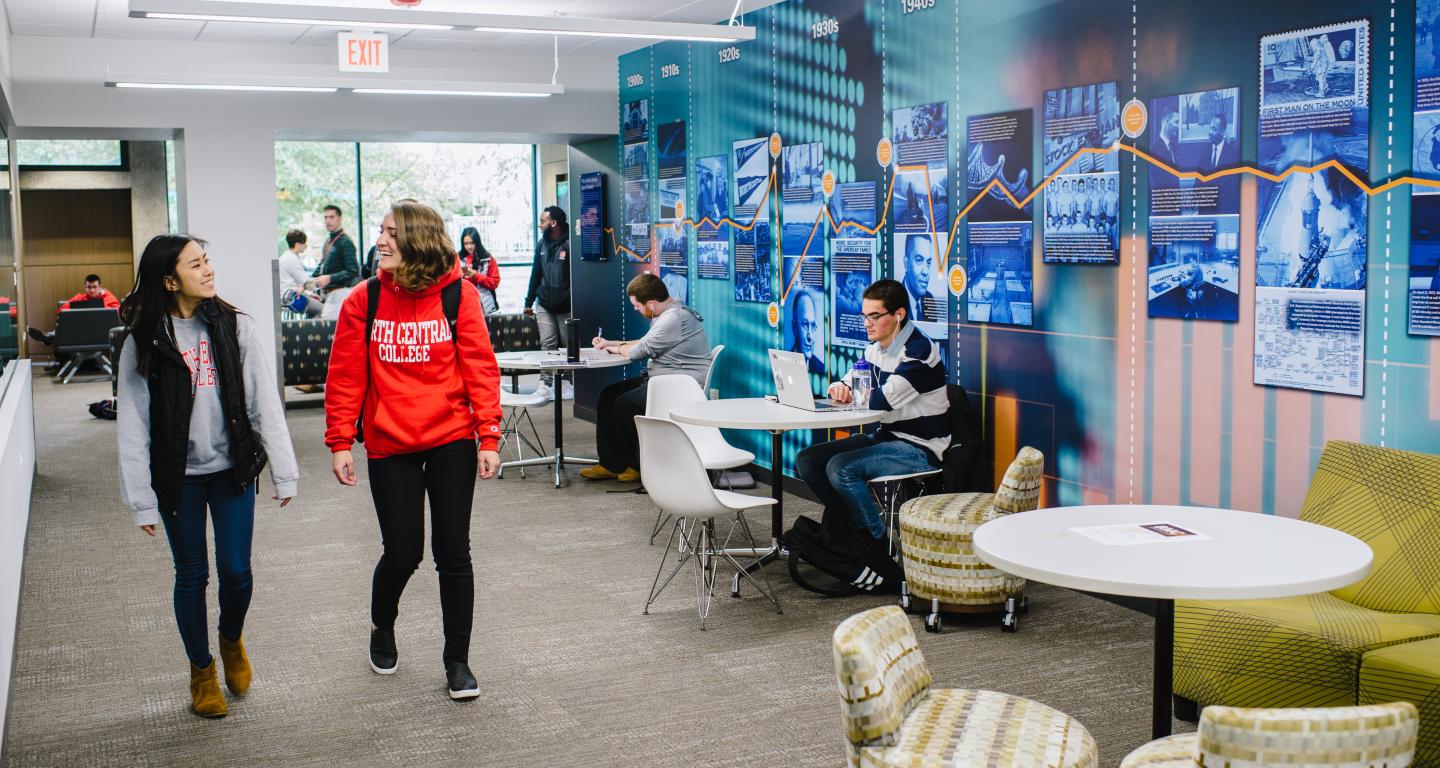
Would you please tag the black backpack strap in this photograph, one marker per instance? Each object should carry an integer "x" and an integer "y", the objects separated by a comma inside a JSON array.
[
  {"x": 450, "y": 303},
  {"x": 372, "y": 289}
]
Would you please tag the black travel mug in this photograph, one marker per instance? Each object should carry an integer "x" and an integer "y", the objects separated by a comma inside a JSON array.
[{"x": 572, "y": 340}]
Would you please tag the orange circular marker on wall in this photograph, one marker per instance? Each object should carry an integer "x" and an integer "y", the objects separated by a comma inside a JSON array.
[
  {"x": 775, "y": 144},
  {"x": 772, "y": 314},
  {"x": 958, "y": 278},
  {"x": 680, "y": 210},
  {"x": 884, "y": 153},
  {"x": 1133, "y": 118},
  {"x": 827, "y": 183}
]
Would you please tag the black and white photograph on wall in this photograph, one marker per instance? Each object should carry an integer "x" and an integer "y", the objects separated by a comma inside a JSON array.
[
  {"x": 998, "y": 163},
  {"x": 920, "y": 199},
  {"x": 801, "y": 170},
  {"x": 635, "y": 122},
  {"x": 1082, "y": 221},
  {"x": 1194, "y": 271},
  {"x": 713, "y": 257},
  {"x": 1001, "y": 275},
  {"x": 804, "y": 325},
  {"x": 675, "y": 262},
  {"x": 1326, "y": 246},
  {"x": 752, "y": 176},
  {"x": 1195, "y": 132},
  {"x": 712, "y": 196},
  {"x": 753, "y": 273},
  {"x": 852, "y": 269},
  {"x": 918, "y": 267}
]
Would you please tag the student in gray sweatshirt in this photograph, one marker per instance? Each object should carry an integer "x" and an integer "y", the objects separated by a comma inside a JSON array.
[
  {"x": 199, "y": 416},
  {"x": 675, "y": 344}
]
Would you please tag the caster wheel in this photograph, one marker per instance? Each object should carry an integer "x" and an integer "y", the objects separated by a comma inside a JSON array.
[
  {"x": 933, "y": 623},
  {"x": 905, "y": 602},
  {"x": 735, "y": 595},
  {"x": 1024, "y": 604},
  {"x": 1010, "y": 622}
]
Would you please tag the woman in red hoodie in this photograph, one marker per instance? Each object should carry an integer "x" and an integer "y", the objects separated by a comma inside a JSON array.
[
  {"x": 426, "y": 393},
  {"x": 480, "y": 268}
]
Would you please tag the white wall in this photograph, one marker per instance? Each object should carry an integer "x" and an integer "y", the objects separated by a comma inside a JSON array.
[
  {"x": 17, "y": 473},
  {"x": 225, "y": 141}
]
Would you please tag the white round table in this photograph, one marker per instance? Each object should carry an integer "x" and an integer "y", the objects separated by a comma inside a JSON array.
[
  {"x": 1229, "y": 555},
  {"x": 777, "y": 419},
  {"x": 554, "y": 360}
]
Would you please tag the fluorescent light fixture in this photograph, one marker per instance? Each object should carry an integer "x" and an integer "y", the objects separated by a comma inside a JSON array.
[
  {"x": 425, "y": 92},
  {"x": 328, "y": 84},
  {"x": 301, "y": 21},
  {"x": 220, "y": 87},
  {"x": 400, "y": 18}
]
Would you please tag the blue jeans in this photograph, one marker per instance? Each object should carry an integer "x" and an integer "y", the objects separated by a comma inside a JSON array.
[
  {"x": 234, "y": 515},
  {"x": 839, "y": 472}
]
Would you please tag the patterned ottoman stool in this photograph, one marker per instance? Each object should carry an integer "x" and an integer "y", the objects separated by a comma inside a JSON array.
[
  {"x": 894, "y": 718},
  {"x": 936, "y": 547}
]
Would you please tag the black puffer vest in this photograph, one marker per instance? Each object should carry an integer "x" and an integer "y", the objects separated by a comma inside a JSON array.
[{"x": 171, "y": 401}]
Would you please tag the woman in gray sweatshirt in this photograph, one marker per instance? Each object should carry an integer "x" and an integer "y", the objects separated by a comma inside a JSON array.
[{"x": 199, "y": 416}]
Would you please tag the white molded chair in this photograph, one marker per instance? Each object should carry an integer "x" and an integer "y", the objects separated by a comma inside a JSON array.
[
  {"x": 666, "y": 393},
  {"x": 516, "y": 409},
  {"x": 710, "y": 372},
  {"x": 676, "y": 480}
]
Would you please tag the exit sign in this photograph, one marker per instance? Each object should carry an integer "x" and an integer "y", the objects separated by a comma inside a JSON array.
[{"x": 364, "y": 53}]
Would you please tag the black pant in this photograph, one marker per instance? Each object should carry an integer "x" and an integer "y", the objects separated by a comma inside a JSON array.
[
  {"x": 399, "y": 485},
  {"x": 616, "y": 439}
]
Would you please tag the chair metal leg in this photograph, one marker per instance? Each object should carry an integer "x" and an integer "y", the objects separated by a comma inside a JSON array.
[
  {"x": 768, "y": 591},
  {"x": 654, "y": 590},
  {"x": 660, "y": 520},
  {"x": 705, "y": 570}
]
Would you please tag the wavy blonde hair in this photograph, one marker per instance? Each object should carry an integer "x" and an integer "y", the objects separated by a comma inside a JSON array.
[{"x": 426, "y": 253}]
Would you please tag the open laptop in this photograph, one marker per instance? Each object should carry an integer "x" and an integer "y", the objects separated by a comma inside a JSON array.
[{"x": 792, "y": 382}]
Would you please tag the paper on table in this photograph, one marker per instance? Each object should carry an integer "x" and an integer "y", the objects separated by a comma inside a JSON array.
[{"x": 1138, "y": 533}]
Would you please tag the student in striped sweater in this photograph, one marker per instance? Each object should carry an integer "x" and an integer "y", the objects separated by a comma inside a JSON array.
[{"x": 910, "y": 384}]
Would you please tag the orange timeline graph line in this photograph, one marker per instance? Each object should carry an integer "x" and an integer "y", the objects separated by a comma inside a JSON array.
[{"x": 1017, "y": 203}]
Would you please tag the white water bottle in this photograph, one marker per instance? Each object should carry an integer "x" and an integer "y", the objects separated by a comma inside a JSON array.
[{"x": 860, "y": 385}]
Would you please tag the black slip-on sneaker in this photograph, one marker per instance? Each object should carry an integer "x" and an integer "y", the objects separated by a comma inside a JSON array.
[
  {"x": 461, "y": 683},
  {"x": 383, "y": 657}
]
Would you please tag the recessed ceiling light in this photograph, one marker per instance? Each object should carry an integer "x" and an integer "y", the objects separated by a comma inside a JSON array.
[{"x": 222, "y": 87}]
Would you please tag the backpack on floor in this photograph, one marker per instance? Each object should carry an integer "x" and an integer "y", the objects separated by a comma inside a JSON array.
[
  {"x": 851, "y": 561},
  {"x": 103, "y": 409}
]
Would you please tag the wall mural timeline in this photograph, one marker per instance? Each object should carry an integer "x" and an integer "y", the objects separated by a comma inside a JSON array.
[{"x": 1179, "y": 323}]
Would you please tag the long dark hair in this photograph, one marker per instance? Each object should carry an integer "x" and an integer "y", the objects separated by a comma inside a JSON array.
[
  {"x": 480, "y": 253},
  {"x": 148, "y": 307}
]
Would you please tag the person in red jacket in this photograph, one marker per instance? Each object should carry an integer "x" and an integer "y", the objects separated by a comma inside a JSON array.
[
  {"x": 480, "y": 268},
  {"x": 93, "y": 291},
  {"x": 425, "y": 396}
]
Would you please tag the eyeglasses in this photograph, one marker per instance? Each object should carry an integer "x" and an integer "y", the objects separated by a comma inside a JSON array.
[{"x": 874, "y": 317}]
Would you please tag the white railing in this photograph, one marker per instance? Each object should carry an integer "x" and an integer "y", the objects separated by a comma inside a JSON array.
[{"x": 17, "y": 475}]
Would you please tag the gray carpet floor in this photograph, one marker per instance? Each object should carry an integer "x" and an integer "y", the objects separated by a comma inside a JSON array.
[{"x": 572, "y": 673}]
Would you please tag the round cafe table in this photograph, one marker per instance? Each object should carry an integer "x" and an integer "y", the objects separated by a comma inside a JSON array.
[
  {"x": 1192, "y": 553},
  {"x": 554, "y": 360},
  {"x": 769, "y": 415}
]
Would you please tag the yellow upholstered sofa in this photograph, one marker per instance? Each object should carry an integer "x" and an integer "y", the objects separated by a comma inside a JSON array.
[{"x": 1368, "y": 642}]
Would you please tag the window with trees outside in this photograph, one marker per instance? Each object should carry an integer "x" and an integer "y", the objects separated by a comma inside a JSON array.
[{"x": 486, "y": 186}]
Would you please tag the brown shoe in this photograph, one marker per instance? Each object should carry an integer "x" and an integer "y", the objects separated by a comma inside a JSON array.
[
  {"x": 597, "y": 472},
  {"x": 206, "y": 700},
  {"x": 237, "y": 665},
  {"x": 630, "y": 475}
]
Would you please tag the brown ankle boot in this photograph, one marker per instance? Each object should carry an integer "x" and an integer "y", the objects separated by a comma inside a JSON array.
[
  {"x": 206, "y": 698},
  {"x": 237, "y": 665}
]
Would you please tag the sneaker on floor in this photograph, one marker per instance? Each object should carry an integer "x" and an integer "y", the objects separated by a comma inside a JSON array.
[
  {"x": 597, "y": 472},
  {"x": 567, "y": 390},
  {"x": 47, "y": 339},
  {"x": 630, "y": 475},
  {"x": 461, "y": 683},
  {"x": 384, "y": 659},
  {"x": 544, "y": 391}
]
